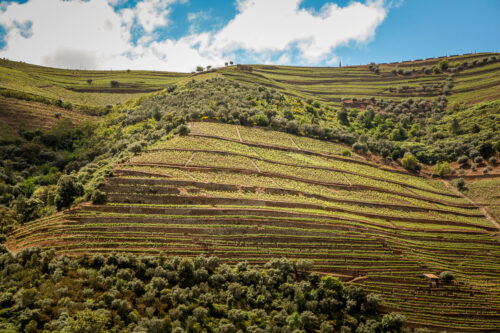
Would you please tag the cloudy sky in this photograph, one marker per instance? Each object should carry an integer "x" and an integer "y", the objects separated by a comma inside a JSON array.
[{"x": 178, "y": 35}]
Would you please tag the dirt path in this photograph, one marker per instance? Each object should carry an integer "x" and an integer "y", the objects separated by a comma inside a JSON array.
[
  {"x": 190, "y": 158},
  {"x": 293, "y": 142},
  {"x": 239, "y": 135},
  {"x": 483, "y": 209}
]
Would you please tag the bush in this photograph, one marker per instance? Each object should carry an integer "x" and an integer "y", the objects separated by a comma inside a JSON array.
[
  {"x": 359, "y": 147},
  {"x": 89, "y": 81},
  {"x": 446, "y": 276},
  {"x": 444, "y": 64},
  {"x": 292, "y": 126},
  {"x": 114, "y": 84},
  {"x": 478, "y": 159},
  {"x": 182, "y": 129},
  {"x": 410, "y": 162},
  {"x": 260, "y": 119},
  {"x": 442, "y": 168},
  {"x": 135, "y": 147},
  {"x": 98, "y": 197},
  {"x": 461, "y": 184},
  {"x": 493, "y": 160},
  {"x": 463, "y": 159},
  {"x": 346, "y": 152}
]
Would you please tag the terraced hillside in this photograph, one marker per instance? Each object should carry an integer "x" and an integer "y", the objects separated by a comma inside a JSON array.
[
  {"x": 251, "y": 194},
  {"x": 474, "y": 79}
]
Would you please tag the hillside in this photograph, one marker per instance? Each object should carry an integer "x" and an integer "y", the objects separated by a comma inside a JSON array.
[
  {"x": 474, "y": 79},
  {"x": 253, "y": 194},
  {"x": 377, "y": 174}
]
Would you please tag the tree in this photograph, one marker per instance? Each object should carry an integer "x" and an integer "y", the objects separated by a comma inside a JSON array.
[
  {"x": 89, "y": 81},
  {"x": 331, "y": 283},
  {"x": 115, "y": 84},
  {"x": 226, "y": 63},
  {"x": 463, "y": 160},
  {"x": 7, "y": 218},
  {"x": 446, "y": 276},
  {"x": 443, "y": 64},
  {"x": 231, "y": 62},
  {"x": 442, "y": 168},
  {"x": 68, "y": 188},
  {"x": 461, "y": 183},
  {"x": 199, "y": 68},
  {"x": 410, "y": 162},
  {"x": 209, "y": 67},
  {"x": 393, "y": 322}
]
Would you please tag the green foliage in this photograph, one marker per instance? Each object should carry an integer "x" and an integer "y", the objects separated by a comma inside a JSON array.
[
  {"x": 446, "y": 276},
  {"x": 331, "y": 283},
  {"x": 442, "y": 168},
  {"x": 88, "y": 321},
  {"x": 393, "y": 322},
  {"x": 443, "y": 64},
  {"x": 410, "y": 162},
  {"x": 171, "y": 300},
  {"x": 98, "y": 197},
  {"x": 346, "y": 152},
  {"x": 460, "y": 183},
  {"x": 260, "y": 119},
  {"x": 68, "y": 188}
]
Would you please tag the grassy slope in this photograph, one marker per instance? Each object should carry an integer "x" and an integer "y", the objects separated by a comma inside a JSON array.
[
  {"x": 71, "y": 85},
  {"x": 246, "y": 200}
]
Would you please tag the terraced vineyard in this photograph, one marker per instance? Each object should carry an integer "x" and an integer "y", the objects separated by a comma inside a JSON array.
[
  {"x": 477, "y": 82},
  {"x": 251, "y": 194}
]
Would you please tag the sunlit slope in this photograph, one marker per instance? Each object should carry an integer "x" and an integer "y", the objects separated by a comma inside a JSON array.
[
  {"x": 73, "y": 85},
  {"x": 479, "y": 81},
  {"x": 251, "y": 194}
]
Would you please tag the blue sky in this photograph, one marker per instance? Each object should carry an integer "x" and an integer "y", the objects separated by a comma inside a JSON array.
[{"x": 178, "y": 35}]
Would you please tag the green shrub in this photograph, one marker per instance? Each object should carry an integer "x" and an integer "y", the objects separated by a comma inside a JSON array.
[
  {"x": 260, "y": 119},
  {"x": 443, "y": 64},
  {"x": 462, "y": 159},
  {"x": 461, "y": 184},
  {"x": 182, "y": 129},
  {"x": 135, "y": 147},
  {"x": 493, "y": 160},
  {"x": 346, "y": 152},
  {"x": 359, "y": 147},
  {"x": 114, "y": 84},
  {"x": 442, "y": 168},
  {"x": 410, "y": 162},
  {"x": 98, "y": 197},
  {"x": 446, "y": 276}
]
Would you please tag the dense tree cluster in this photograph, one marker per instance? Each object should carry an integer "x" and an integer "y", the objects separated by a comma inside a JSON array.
[{"x": 129, "y": 293}]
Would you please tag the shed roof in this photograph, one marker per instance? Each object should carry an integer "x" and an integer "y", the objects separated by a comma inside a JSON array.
[{"x": 431, "y": 276}]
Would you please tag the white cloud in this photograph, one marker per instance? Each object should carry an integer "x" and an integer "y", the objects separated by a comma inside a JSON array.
[
  {"x": 91, "y": 34},
  {"x": 263, "y": 25},
  {"x": 63, "y": 28}
]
